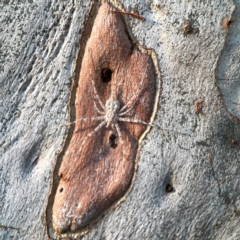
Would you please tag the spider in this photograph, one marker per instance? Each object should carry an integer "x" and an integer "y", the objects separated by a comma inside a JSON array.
[{"x": 111, "y": 113}]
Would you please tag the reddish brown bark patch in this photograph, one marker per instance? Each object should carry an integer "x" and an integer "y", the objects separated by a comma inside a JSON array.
[
  {"x": 97, "y": 167},
  {"x": 187, "y": 27},
  {"x": 226, "y": 22},
  {"x": 198, "y": 105}
]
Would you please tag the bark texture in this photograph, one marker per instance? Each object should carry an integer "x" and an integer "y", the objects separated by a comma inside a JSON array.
[{"x": 187, "y": 184}]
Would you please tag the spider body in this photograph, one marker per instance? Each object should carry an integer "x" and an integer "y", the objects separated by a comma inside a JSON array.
[{"x": 112, "y": 107}]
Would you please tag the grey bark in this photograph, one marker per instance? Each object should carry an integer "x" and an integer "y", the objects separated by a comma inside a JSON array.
[{"x": 39, "y": 41}]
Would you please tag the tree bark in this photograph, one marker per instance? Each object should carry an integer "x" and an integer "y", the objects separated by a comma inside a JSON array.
[{"x": 187, "y": 182}]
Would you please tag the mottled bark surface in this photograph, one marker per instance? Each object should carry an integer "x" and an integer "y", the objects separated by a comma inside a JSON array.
[{"x": 187, "y": 186}]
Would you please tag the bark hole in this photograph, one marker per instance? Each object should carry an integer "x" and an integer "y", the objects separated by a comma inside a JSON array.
[
  {"x": 112, "y": 141},
  {"x": 106, "y": 75},
  {"x": 169, "y": 188}
]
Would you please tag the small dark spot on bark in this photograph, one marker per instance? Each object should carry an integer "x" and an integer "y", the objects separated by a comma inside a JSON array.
[
  {"x": 188, "y": 28},
  {"x": 227, "y": 201},
  {"x": 169, "y": 188},
  {"x": 195, "y": 30},
  {"x": 61, "y": 190},
  {"x": 135, "y": 10},
  {"x": 234, "y": 142},
  {"x": 236, "y": 212},
  {"x": 218, "y": 224},
  {"x": 158, "y": 6},
  {"x": 66, "y": 26}
]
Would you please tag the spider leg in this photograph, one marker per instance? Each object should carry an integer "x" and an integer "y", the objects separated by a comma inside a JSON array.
[
  {"x": 115, "y": 85},
  {"x": 137, "y": 92},
  {"x": 96, "y": 129},
  {"x": 134, "y": 121},
  {"x": 98, "y": 110},
  {"x": 96, "y": 96},
  {"x": 116, "y": 125},
  {"x": 126, "y": 111},
  {"x": 149, "y": 124},
  {"x": 120, "y": 75},
  {"x": 85, "y": 119},
  {"x": 81, "y": 119}
]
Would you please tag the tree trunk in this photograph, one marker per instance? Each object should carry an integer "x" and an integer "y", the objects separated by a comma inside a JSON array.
[{"x": 187, "y": 181}]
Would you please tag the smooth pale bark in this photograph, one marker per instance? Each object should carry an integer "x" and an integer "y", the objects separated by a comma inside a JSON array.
[{"x": 195, "y": 154}]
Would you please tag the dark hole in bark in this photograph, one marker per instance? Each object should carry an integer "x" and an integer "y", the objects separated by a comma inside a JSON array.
[
  {"x": 229, "y": 22},
  {"x": 169, "y": 188},
  {"x": 113, "y": 141},
  {"x": 106, "y": 75},
  {"x": 61, "y": 189}
]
